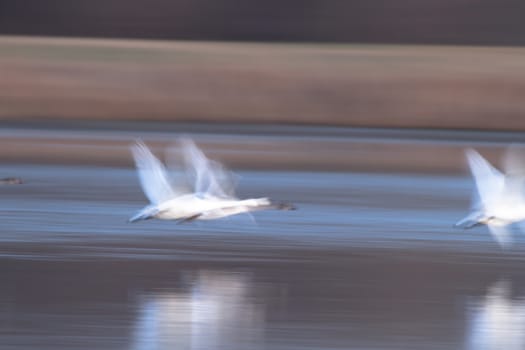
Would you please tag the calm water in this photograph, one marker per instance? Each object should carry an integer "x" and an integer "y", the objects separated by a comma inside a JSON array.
[{"x": 369, "y": 261}]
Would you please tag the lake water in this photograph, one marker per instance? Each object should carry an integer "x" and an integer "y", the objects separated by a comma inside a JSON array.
[{"x": 368, "y": 261}]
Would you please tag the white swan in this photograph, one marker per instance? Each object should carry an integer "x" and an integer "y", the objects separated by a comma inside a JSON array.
[
  {"x": 210, "y": 195},
  {"x": 497, "y": 200}
]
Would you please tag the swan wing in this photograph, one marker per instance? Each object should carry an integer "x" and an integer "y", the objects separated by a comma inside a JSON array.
[
  {"x": 489, "y": 182},
  {"x": 152, "y": 174},
  {"x": 209, "y": 178}
]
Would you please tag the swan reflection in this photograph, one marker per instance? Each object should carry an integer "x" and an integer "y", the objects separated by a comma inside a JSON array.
[
  {"x": 497, "y": 321},
  {"x": 215, "y": 312}
]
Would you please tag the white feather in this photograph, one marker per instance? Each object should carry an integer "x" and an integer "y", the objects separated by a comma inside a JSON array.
[{"x": 152, "y": 175}]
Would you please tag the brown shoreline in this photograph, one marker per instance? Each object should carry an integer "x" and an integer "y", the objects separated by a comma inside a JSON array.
[{"x": 355, "y": 85}]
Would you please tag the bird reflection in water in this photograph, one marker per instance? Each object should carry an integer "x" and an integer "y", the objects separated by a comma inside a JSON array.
[
  {"x": 216, "y": 312},
  {"x": 497, "y": 321}
]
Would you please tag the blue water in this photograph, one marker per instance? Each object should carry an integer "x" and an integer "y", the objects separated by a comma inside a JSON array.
[
  {"x": 86, "y": 205},
  {"x": 368, "y": 261}
]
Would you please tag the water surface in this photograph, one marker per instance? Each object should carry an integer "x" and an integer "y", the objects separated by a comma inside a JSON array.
[{"x": 369, "y": 261}]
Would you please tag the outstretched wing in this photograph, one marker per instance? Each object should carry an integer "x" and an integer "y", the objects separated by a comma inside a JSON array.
[
  {"x": 209, "y": 177},
  {"x": 514, "y": 165},
  {"x": 152, "y": 174},
  {"x": 490, "y": 182},
  {"x": 514, "y": 160}
]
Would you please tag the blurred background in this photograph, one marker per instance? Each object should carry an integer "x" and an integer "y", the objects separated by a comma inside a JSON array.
[
  {"x": 448, "y": 64},
  {"x": 356, "y": 111}
]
